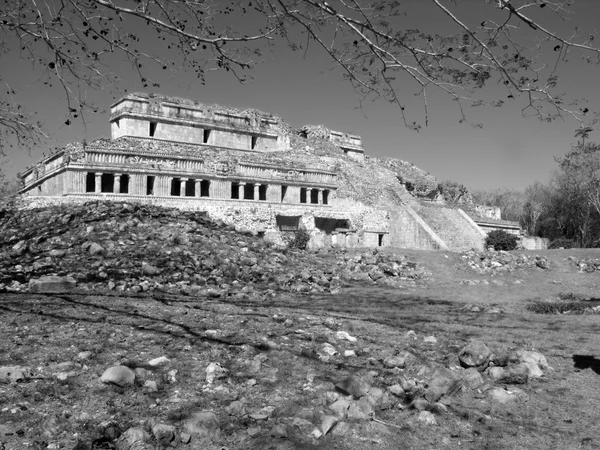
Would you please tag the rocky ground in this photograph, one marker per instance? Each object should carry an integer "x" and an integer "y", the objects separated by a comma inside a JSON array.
[
  {"x": 135, "y": 248},
  {"x": 134, "y": 327}
]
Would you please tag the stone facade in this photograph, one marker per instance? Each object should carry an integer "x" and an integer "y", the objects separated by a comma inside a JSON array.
[
  {"x": 251, "y": 170},
  {"x": 178, "y": 153}
]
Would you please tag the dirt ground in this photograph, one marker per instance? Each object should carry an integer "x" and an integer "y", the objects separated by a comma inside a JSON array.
[{"x": 68, "y": 340}]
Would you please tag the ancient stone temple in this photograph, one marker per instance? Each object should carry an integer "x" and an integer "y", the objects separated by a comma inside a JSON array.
[
  {"x": 236, "y": 165},
  {"x": 253, "y": 171}
]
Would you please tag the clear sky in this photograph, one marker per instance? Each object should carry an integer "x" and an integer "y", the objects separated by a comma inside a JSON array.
[{"x": 509, "y": 151}]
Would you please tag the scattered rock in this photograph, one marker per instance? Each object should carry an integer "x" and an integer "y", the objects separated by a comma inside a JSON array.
[
  {"x": 236, "y": 408},
  {"x": 430, "y": 340},
  {"x": 360, "y": 409},
  {"x": 159, "y": 362},
  {"x": 215, "y": 371},
  {"x": 149, "y": 270},
  {"x": 133, "y": 439},
  {"x": 472, "y": 378},
  {"x": 15, "y": 374},
  {"x": 52, "y": 284},
  {"x": 427, "y": 418},
  {"x": 327, "y": 423},
  {"x": 95, "y": 249},
  {"x": 345, "y": 335},
  {"x": 203, "y": 424},
  {"x": 475, "y": 354},
  {"x": 354, "y": 386},
  {"x": 340, "y": 407},
  {"x": 163, "y": 433},
  {"x": 279, "y": 431},
  {"x": 119, "y": 375},
  {"x": 505, "y": 396}
]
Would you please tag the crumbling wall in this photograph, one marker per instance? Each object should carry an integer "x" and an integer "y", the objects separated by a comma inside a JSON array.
[{"x": 535, "y": 243}]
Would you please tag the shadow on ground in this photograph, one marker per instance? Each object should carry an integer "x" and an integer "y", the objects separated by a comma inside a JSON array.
[{"x": 586, "y": 362}]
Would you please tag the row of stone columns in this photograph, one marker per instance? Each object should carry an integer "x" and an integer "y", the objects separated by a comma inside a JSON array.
[
  {"x": 319, "y": 195},
  {"x": 137, "y": 186}
]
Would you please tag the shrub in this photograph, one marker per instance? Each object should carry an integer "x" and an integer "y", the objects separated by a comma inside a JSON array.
[
  {"x": 300, "y": 240},
  {"x": 562, "y": 242},
  {"x": 501, "y": 240}
]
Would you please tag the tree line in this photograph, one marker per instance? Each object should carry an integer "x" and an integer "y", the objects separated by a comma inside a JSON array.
[{"x": 566, "y": 209}]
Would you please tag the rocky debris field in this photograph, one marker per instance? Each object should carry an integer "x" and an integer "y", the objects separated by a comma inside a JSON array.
[
  {"x": 132, "y": 327},
  {"x": 142, "y": 372},
  {"x": 492, "y": 262},
  {"x": 126, "y": 247},
  {"x": 587, "y": 265}
]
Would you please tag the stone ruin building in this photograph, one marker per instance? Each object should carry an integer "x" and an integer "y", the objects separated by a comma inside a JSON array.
[{"x": 251, "y": 170}]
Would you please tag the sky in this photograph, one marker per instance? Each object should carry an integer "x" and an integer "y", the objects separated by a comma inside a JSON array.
[{"x": 508, "y": 152}]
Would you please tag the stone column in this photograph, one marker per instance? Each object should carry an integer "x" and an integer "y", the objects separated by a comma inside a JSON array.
[
  {"x": 98, "y": 185},
  {"x": 79, "y": 179},
  {"x": 308, "y": 196},
  {"x": 256, "y": 191},
  {"x": 198, "y": 188},
  {"x": 241, "y": 190},
  {"x": 117, "y": 184},
  {"x": 320, "y": 197},
  {"x": 182, "y": 187}
]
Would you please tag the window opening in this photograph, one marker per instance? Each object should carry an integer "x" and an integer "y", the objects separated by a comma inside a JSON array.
[
  {"x": 302, "y": 195},
  {"x": 249, "y": 191},
  {"x": 206, "y": 136},
  {"x": 283, "y": 192},
  {"x": 205, "y": 188},
  {"x": 329, "y": 225},
  {"x": 287, "y": 223},
  {"x": 325, "y": 197},
  {"x": 107, "y": 182},
  {"x": 124, "y": 184},
  {"x": 153, "y": 128},
  {"x": 380, "y": 240},
  {"x": 190, "y": 188},
  {"x": 150, "y": 185},
  {"x": 254, "y": 142},
  {"x": 176, "y": 187},
  {"x": 262, "y": 192},
  {"x": 90, "y": 182},
  {"x": 235, "y": 190},
  {"x": 314, "y": 196}
]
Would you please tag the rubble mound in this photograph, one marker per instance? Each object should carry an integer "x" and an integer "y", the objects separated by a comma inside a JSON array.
[
  {"x": 589, "y": 265},
  {"x": 502, "y": 262},
  {"x": 416, "y": 181},
  {"x": 127, "y": 247}
]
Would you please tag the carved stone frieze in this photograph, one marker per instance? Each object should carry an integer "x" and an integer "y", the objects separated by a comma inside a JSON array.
[
  {"x": 221, "y": 168},
  {"x": 156, "y": 163}
]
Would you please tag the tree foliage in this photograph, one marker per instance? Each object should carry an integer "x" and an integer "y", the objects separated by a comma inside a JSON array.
[
  {"x": 567, "y": 210},
  {"x": 501, "y": 240},
  {"x": 454, "y": 193},
  {"x": 378, "y": 45},
  {"x": 510, "y": 201}
]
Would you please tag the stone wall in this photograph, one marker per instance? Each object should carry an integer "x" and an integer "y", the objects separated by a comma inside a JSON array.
[
  {"x": 143, "y": 115},
  {"x": 248, "y": 216},
  {"x": 491, "y": 212},
  {"x": 453, "y": 226},
  {"x": 535, "y": 243},
  {"x": 488, "y": 227},
  {"x": 408, "y": 230}
]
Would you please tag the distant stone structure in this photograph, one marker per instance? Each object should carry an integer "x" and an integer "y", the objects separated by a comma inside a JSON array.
[{"x": 251, "y": 170}]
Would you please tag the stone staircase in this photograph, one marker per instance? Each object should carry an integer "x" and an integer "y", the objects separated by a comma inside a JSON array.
[{"x": 452, "y": 226}]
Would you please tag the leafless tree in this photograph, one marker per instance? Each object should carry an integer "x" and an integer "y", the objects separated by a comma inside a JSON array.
[{"x": 380, "y": 47}]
